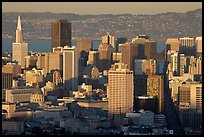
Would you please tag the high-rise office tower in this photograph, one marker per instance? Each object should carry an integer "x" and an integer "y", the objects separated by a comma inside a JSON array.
[
  {"x": 119, "y": 41},
  {"x": 150, "y": 48},
  {"x": 172, "y": 44},
  {"x": 129, "y": 54},
  {"x": 55, "y": 61},
  {"x": 140, "y": 85},
  {"x": 194, "y": 65},
  {"x": 196, "y": 96},
  {"x": 61, "y": 33},
  {"x": 198, "y": 42},
  {"x": 187, "y": 46},
  {"x": 155, "y": 87},
  {"x": 105, "y": 51},
  {"x": 177, "y": 62},
  {"x": 186, "y": 41},
  {"x": 83, "y": 44},
  {"x": 19, "y": 48},
  {"x": 120, "y": 89},
  {"x": 108, "y": 39},
  {"x": 144, "y": 66},
  {"x": 43, "y": 62},
  {"x": 93, "y": 58},
  {"x": 181, "y": 64},
  {"x": 184, "y": 95},
  {"x": 70, "y": 68},
  {"x": 190, "y": 96}
]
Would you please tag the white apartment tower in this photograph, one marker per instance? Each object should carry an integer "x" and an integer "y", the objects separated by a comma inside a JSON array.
[
  {"x": 70, "y": 68},
  {"x": 19, "y": 48},
  {"x": 120, "y": 89}
]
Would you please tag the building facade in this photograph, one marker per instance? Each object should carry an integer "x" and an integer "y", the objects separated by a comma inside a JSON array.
[
  {"x": 70, "y": 68},
  {"x": 105, "y": 51},
  {"x": 186, "y": 41},
  {"x": 19, "y": 48},
  {"x": 155, "y": 88},
  {"x": 61, "y": 33},
  {"x": 120, "y": 89},
  {"x": 172, "y": 44}
]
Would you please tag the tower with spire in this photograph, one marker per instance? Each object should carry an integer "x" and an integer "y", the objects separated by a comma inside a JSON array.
[
  {"x": 19, "y": 35},
  {"x": 19, "y": 48}
]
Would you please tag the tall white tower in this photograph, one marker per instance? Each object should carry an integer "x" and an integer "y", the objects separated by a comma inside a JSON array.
[
  {"x": 19, "y": 48},
  {"x": 70, "y": 68}
]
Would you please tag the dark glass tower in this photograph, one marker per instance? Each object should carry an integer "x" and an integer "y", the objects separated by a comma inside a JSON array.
[{"x": 61, "y": 33}]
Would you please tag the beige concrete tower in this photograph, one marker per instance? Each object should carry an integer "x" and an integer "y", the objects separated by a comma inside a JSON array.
[
  {"x": 70, "y": 68},
  {"x": 19, "y": 48},
  {"x": 120, "y": 89},
  {"x": 108, "y": 39}
]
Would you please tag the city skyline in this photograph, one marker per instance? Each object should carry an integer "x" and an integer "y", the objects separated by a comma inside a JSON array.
[
  {"x": 95, "y": 8},
  {"x": 123, "y": 86}
]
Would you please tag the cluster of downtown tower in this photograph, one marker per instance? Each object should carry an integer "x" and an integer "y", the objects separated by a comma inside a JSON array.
[{"x": 127, "y": 79}]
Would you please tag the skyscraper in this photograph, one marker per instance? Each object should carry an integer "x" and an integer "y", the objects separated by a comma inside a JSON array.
[
  {"x": 129, "y": 54},
  {"x": 120, "y": 89},
  {"x": 55, "y": 61},
  {"x": 190, "y": 96},
  {"x": 70, "y": 68},
  {"x": 108, "y": 39},
  {"x": 150, "y": 50},
  {"x": 144, "y": 66},
  {"x": 186, "y": 41},
  {"x": 173, "y": 44},
  {"x": 43, "y": 62},
  {"x": 61, "y": 33},
  {"x": 194, "y": 65},
  {"x": 105, "y": 51},
  {"x": 19, "y": 48},
  {"x": 155, "y": 87},
  {"x": 119, "y": 41},
  {"x": 83, "y": 44},
  {"x": 196, "y": 96},
  {"x": 177, "y": 62},
  {"x": 93, "y": 58}
]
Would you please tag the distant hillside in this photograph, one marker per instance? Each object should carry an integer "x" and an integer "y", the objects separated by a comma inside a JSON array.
[{"x": 158, "y": 26}]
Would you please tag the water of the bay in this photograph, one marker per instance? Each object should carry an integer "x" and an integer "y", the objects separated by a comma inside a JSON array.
[{"x": 45, "y": 45}]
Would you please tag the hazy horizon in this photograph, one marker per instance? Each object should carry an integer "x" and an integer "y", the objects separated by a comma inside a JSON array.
[{"x": 97, "y": 8}]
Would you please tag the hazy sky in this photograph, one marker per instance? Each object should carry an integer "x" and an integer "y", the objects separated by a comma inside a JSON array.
[{"x": 101, "y": 7}]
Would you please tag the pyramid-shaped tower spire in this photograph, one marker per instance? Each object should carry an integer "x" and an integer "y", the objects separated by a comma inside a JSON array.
[
  {"x": 19, "y": 33},
  {"x": 19, "y": 23}
]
